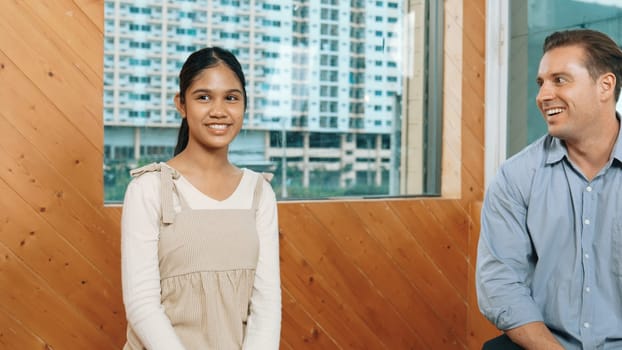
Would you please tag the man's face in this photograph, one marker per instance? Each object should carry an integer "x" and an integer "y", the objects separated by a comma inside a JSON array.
[{"x": 568, "y": 97}]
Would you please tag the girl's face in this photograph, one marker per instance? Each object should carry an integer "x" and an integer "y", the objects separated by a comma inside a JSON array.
[{"x": 214, "y": 108}]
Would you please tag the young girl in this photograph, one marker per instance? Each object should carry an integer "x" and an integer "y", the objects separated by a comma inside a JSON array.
[{"x": 200, "y": 261}]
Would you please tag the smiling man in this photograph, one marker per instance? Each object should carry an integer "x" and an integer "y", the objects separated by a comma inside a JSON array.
[{"x": 549, "y": 269}]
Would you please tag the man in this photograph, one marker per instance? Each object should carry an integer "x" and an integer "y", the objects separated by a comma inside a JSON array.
[{"x": 549, "y": 269}]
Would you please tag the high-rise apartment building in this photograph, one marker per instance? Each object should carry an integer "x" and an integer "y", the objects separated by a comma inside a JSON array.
[{"x": 324, "y": 82}]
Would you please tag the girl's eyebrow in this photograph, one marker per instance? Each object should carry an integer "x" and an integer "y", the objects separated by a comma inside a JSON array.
[{"x": 203, "y": 91}]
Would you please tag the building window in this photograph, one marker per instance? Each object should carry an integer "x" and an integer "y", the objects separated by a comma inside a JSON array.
[
  {"x": 320, "y": 117},
  {"x": 532, "y": 21}
]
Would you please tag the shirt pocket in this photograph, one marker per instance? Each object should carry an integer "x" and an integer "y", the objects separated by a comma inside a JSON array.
[{"x": 616, "y": 248}]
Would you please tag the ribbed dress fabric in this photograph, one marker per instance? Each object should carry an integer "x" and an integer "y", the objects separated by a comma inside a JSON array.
[{"x": 207, "y": 268}]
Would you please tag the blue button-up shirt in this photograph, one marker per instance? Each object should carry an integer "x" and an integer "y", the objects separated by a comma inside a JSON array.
[{"x": 550, "y": 247}]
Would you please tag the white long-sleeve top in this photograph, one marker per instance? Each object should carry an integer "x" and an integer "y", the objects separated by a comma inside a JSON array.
[{"x": 140, "y": 267}]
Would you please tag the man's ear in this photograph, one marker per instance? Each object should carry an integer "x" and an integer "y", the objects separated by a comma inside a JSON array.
[
  {"x": 181, "y": 107},
  {"x": 607, "y": 84}
]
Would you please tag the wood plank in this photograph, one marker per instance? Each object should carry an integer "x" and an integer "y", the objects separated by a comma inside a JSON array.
[
  {"x": 41, "y": 311},
  {"x": 451, "y": 262},
  {"x": 13, "y": 335},
  {"x": 57, "y": 202},
  {"x": 453, "y": 28},
  {"x": 473, "y": 97},
  {"x": 473, "y": 83},
  {"x": 356, "y": 243},
  {"x": 479, "y": 329},
  {"x": 73, "y": 27},
  {"x": 327, "y": 258},
  {"x": 313, "y": 293},
  {"x": 62, "y": 144},
  {"x": 453, "y": 218},
  {"x": 474, "y": 23},
  {"x": 473, "y": 130},
  {"x": 432, "y": 285},
  {"x": 472, "y": 180},
  {"x": 305, "y": 333},
  {"x": 57, "y": 262},
  {"x": 474, "y": 230},
  {"x": 52, "y": 66},
  {"x": 284, "y": 345},
  {"x": 94, "y": 10},
  {"x": 471, "y": 185},
  {"x": 452, "y": 99}
]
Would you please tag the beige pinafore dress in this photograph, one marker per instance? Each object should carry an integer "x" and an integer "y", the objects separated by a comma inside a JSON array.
[{"x": 207, "y": 269}]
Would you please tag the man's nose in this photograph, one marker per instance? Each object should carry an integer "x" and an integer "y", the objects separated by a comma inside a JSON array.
[{"x": 545, "y": 93}]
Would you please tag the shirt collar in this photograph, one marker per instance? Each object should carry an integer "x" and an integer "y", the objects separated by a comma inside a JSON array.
[
  {"x": 557, "y": 150},
  {"x": 617, "y": 148}
]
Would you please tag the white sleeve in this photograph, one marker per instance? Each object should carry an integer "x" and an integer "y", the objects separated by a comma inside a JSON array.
[
  {"x": 140, "y": 273},
  {"x": 263, "y": 329}
]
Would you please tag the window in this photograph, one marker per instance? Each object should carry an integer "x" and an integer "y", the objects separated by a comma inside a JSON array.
[
  {"x": 324, "y": 140},
  {"x": 325, "y": 88},
  {"x": 531, "y": 21}
]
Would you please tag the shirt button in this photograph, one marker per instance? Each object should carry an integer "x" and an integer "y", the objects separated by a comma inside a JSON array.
[
  {"x": 588, "y": 188},
  {"x": 587, "y": 256},
  {"x": 586, "y": 324},
  {"x": 587, "y": 221},
  {"x": 587, "y": 289}
]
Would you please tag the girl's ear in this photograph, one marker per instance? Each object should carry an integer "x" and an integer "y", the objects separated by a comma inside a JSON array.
[{"x": 181, "y": 107}]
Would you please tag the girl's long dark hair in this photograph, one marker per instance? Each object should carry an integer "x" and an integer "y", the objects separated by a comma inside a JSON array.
[{"x": 195, "y": 63}]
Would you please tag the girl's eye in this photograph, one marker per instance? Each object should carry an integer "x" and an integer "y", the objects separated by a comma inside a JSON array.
[
  {"x": 203, "y": 97},
  {"x": 232, "y": 98}
]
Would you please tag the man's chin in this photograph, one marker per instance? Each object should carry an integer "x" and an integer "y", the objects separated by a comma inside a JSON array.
[{"x": 555, "y": 132}]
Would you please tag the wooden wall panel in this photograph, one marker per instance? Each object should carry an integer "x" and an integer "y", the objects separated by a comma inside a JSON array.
[
  {"x": 379, "y": 274},
  {"x": 327, "y": 257},
  {"x": 410, "y": 257},
  {"x": 14, "y": 336},
  {"x": 57, "y": 262},
  {"x": 43, "y": 311},
  {"x": 54, "y": 199},
  {"x": 68, "y": 82},
  {"x": 478, "y": 328},
  {"x": 384, "y": 276},
  {"x": 437, "y": 245},
  {"x": 60, "y": 247},
  {"x": 332, "y": 315},
  {"x": 299, "y": 322}
]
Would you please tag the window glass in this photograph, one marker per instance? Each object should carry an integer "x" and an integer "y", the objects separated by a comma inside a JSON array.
[
  {"x": 326, "y": 83},
  {"x": 531, "y": 21}
]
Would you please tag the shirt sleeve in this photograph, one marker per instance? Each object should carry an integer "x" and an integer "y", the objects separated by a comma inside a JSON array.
[
  {"x": 140, "y": 274},
  {"x": 264, "y": 322},
  {"x": 505, "y": 258}
]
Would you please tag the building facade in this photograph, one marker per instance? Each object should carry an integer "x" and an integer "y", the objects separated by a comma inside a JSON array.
[{"x": 324, "y": 81}]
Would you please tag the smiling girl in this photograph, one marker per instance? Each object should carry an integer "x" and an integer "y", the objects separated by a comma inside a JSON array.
[{"x": 200, "y": 260}]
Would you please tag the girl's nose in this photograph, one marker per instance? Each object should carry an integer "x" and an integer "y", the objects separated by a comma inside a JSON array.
[{"x": 218, "y": 109}]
